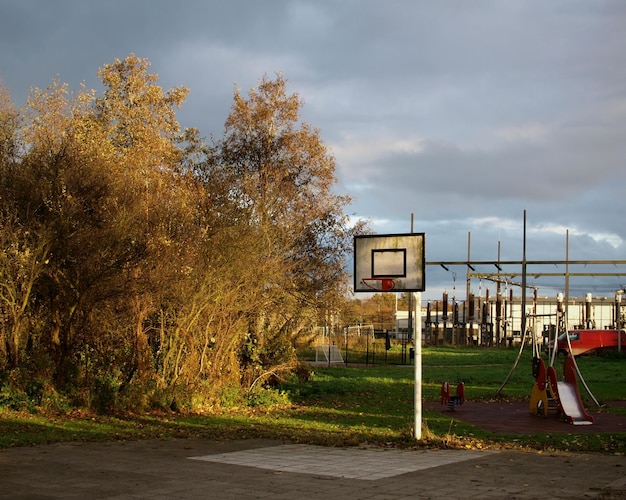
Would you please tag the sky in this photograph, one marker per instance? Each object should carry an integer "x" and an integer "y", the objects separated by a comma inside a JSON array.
[{"x": 462, "y": 119}]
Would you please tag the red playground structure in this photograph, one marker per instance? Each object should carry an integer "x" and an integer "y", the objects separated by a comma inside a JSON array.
[
  {"x": 452, "y": 401},
  {"x": 564, "y": 393}
]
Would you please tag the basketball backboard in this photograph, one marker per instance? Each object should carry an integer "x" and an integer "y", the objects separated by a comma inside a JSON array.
[{"x": 389, "y": 263}]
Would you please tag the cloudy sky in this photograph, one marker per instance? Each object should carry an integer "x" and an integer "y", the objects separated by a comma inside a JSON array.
[{"x": 463, "y": 113}]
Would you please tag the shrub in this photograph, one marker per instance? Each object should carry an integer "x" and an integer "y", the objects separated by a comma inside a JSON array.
[
  {"x": 105, "y": 393},
  {"x": 14, "y": 399},
  {"x": 267, "y": 398}
]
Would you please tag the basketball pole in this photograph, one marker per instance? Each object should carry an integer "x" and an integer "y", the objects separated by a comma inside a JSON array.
[
  {"x": 417, "y": 359},
  {"x": 418, "y": 366}
]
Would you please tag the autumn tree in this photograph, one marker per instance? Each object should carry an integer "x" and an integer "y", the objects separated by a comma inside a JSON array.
[
  {"x": 378, "y": 309},
  {"x": 23, "y": 252},
  {"x": 9, "y": 127},
  {"x": 99, "y": 176},
  {"x": 281, "y": 177},
  {"x": 139, "y": 120},
  {"x": 137, "y": 261}
]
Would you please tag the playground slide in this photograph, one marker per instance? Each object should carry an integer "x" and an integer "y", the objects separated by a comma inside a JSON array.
[
  {"x": 571, "y": 405},
  {"x": 570, "y": 402}
]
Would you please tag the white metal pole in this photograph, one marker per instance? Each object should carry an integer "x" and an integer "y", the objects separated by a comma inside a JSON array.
[
  {"x": 418, "y": 366},
  {"x": 417, "y": 357}
]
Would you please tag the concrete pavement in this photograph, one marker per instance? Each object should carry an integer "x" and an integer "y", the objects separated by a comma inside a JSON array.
[{"x": 192, "y": 469}]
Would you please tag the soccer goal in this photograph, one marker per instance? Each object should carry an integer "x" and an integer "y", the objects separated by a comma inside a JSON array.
[
  {"x": 329, "y": 354},
  {"x": 361, "y": 331}
]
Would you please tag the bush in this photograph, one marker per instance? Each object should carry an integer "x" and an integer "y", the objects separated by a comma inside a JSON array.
[
  {"x": 34, "y": 390},
  {"x": 17, "y": 392},
  {"x": 12, "y": 398},
  {"x": 267, "y": 398},
  {"x": 105, "y": 393}
]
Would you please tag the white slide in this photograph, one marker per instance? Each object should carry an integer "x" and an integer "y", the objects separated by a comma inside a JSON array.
[{"x": 571, "y": 404}]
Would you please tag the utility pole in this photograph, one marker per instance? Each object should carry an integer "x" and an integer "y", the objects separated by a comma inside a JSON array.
[
  {"x": 618, "y": 313},
  {"x": 498, "y": 302},
  {"x": 467, "y": 288},
  {"x": 523, "y": 323}
]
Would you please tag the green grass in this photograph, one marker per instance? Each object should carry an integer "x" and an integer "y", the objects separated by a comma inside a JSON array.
[{"x": 344, "y": 406}]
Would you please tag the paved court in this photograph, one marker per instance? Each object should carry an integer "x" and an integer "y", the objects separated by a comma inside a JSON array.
[
  {"x": 367, "y": 464},
  {"x": 198, "y": 468}
]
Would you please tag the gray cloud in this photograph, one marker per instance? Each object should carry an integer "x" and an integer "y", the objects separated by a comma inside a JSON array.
[{"x": 464, "y": 113}]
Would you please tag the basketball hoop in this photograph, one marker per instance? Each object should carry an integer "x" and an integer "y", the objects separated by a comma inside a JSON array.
[
  {"x": 389, "y": 263},
  {"x": 380, "y": 284}
]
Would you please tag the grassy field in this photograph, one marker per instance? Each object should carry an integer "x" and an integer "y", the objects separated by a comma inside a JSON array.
[
  {"x": 345, "y": 406},
  {"x": 484, "y": 370}
]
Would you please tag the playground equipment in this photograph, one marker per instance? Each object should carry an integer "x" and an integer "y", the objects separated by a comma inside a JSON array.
[
  {"x": 564, "y": 394},
  {"x": 452, "y": 401}
]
